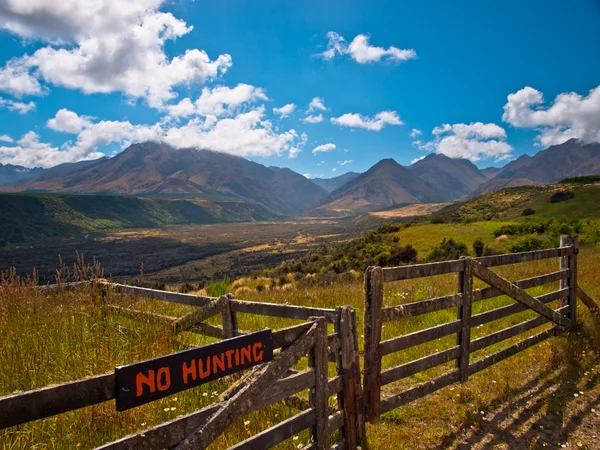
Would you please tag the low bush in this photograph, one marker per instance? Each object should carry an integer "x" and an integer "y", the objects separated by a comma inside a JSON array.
[
  {"x": 528, "y": 212},
  {"x": 561, "y": 196},
  {"x": 448, "y": 249},
  {"x": 527, "y": 244}
]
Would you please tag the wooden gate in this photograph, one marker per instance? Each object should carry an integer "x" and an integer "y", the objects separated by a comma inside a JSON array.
[
  {"x": 564, "y": 318},
  {"x": 260, "y": 387}
]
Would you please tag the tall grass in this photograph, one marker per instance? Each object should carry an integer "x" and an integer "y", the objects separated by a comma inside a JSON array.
[{"x": 55, "y": 338}]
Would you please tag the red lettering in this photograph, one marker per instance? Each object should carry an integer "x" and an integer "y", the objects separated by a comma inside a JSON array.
[
  {"x": 228, "y": 353},
  {"x": 163, "y": 373},
  {"x": 258, "y": 355},
  {"x": 204, "y": 371},
  {"x": 218, "y": 361},
  {"x": 246, "y": 355},
  {"x": 141, "y": 380},
  {"x": 189, "y": 371}
]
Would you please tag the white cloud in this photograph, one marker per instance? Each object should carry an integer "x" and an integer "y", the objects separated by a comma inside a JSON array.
[
  {"x": 316, "y": 104},
  {"x": 344, "y": 163},
  {"x": 297, "y": 147},
  {"x": 16, "y": 79},
  {"x": 306, "y": 175},
  {"x": 30, "y": 152},
  {"x": 571, "y": 115},
  {"x": 285, "y": 110},
  {"x": 417, "y": 159},
  {"x": 475, "y": 141},
  {"x": 376, "y": 123},
  {"x": 334, "y": 169},
  {"x": 362, "y": 52},
  {"x": 20, "y": 107},
  {"x": 5, "y": 138},
  {"x": 415, "y": 132},
  {"x": 68, "y": 122},
  {"x": 323, "y": 148},
  {"x": 313, "y": 119},
  {"x": 218, "y": 101},
  {"x": 102, "y": 46}
]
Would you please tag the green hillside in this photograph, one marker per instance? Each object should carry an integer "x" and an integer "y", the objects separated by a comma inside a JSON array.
[{"x": 25, "y": 217}]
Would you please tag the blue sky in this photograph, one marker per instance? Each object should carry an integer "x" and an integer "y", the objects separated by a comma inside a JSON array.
[{"x": 76, "y": 82}]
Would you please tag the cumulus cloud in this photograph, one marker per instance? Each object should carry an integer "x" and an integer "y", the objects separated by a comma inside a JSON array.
[
  {"x": 344, "y": 163},
  {"x": 363, "y": 52},
  {"x": 323, "y": 148},
  {"x": 102, "y": 46},
  {"x": 306, "y": 175},
  {"x": 218, "y": 101},
  {"x": 5, "y": 138},
  {"x": 20, "y": 107},
  {"x": 571, "y": 115},
  {"x": 474, "y": 141},
  {"x": 68, "y": 122},
  {"x": 316, "y": 104},
  {"x": 417, "y": 159},
  {"x": 313, "y": 119},
  {"x": 285, "y": 110},
  {"x": 30, "y": 152},
  {"x": 415, "y": 133},
  {"x": 376, "y": 123}
]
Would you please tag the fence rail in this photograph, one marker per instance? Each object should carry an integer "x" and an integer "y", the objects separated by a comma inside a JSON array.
[{"x": 357, "y": 400}]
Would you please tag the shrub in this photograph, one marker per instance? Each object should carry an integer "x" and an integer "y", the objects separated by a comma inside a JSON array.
[
  {"x": 218, "y": 288},
  {"x": 489, "y": 251},
  {"x": 159, "y": 286},
  {"x": 478, "y": 247},
  {"x": 528, "y": 212},
  {"x": 526, "y": 244},
  {"x": 400, "y": 255},
  {"x": 438, "y": 220},
  {"x": 561, "y": 196},
  {"x": 202, "y": 284},
  {"x": 260, "y": 288},
  {"x": 448, "y": 249},
  {"x": 184, "y": 288}
]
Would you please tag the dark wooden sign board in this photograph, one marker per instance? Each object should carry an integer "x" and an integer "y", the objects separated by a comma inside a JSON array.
[{"x": 153, "y": 379}]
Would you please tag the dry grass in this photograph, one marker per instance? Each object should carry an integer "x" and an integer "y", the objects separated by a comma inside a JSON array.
[{"x": 56, "y": 338}]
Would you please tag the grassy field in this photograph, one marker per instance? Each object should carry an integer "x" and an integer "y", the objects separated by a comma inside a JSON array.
[{"x": 47, "y": 339}]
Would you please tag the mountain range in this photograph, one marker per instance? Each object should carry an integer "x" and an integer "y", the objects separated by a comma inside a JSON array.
[{"x": 153, "y": 169}]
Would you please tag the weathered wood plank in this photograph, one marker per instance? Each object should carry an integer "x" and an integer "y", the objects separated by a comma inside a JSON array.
[
  {"x": 200, "y": 315},
  {"x": 419, "y": 365},
  {"x": 421, "y": 270},
  {"x": 518, "y": 294},
  {"x": 419, "y": 337},
  {"x": 351, "y": 396},
  {"x": 587, "y": 300},
  {"x": 491, "y": 292},
  {"x": 320, "y": 349},
  {"x": 285, "y": 311},
  {"x": 505, "y": 311},
  {"x": 464, "y": 335},
  {"x": 421, "y": 307},
  {"x": 62, "y": 287},
  {"x": 507, "y": 333},
  {"x": 51, "y": 400},
  {"x": 494, "y": 358},
  {"x": 516, "y": 258},
  {"x": 373, "y": 289},
  {"x": 208, "y": 329},
  {"x": 572, "y": 280},
  {"x": 173, "y": 297},
  {"x": 418, "y": 391},
  {"x": 278, "y": 433},
  {"x": 241, "y": 403}
]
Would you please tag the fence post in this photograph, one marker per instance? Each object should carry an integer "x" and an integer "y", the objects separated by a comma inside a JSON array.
[
  {"x": 463, "y": 338},
  {"x": 351, "y": 396},
  {"x": 319, "y": 398},
  {"x": 372, "y": 334},
  {"x": 570, "y": 262},
  {"x": 230, "y": 328}
]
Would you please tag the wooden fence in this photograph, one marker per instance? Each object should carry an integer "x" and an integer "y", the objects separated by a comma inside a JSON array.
[
  {"x": 276, "y": 380},
  {"x": 249, "y": 394},
  {"x": 563, "y": 318}
]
